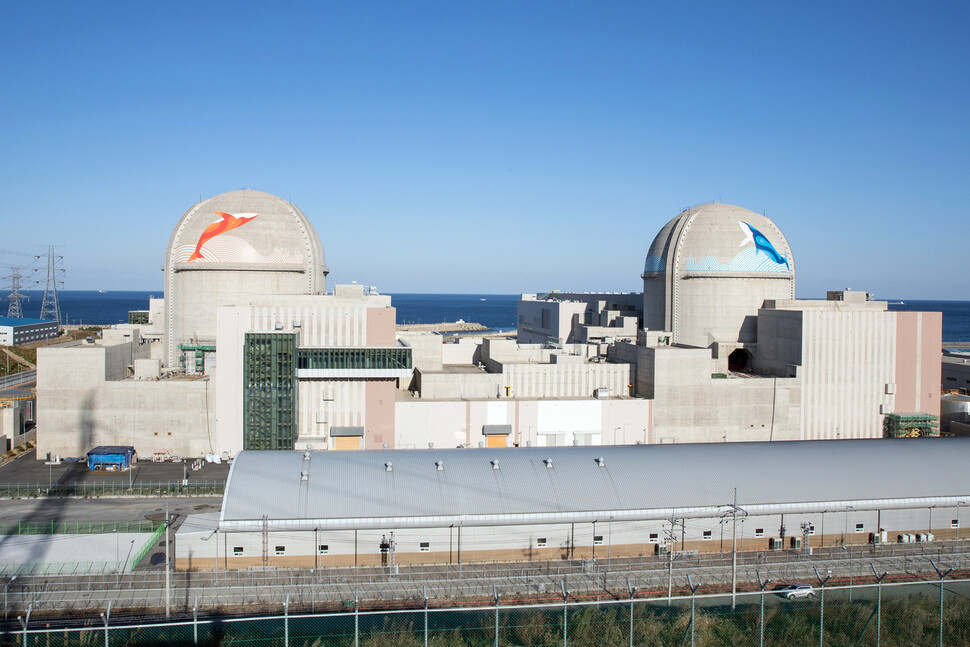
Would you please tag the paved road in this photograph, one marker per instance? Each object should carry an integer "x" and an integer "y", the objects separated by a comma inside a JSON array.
[
  {"x": 112, "y": 509},
  {"x": 27, "y": 469}
]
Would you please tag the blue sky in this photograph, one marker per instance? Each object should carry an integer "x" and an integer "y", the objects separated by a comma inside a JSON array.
[{"x": 493, "y": 147}]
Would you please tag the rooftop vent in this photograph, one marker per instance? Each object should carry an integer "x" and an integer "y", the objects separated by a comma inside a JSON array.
[
  {"x": 388, "y": 467},
  {"x": 304, "y": 476},
  {"x": 548, "y": 462},
  {"x": 279, "y": 325},
  {"x": 439, "y": 465},
  {"x": 601, "y": 461},
  {"x": 495, "y": 464}
]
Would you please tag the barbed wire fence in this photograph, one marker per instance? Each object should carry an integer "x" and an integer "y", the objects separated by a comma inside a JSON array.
[{"x": 881, "y": 613}]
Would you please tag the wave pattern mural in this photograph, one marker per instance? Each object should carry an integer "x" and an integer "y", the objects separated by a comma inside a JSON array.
[
  {"x": 230, "y": 249},
  {"x": 747, "y": 260},
  {"x": 654, "y": 264}
]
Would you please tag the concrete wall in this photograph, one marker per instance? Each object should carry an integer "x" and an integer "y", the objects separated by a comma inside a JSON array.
[
  {"x": 173, "y": 415},
  {"x": 537, "y": 421},
  {"x": 426, "y": 349},
  {"x": 243, "y": 549},
  {"x": 919, "y": 341}
]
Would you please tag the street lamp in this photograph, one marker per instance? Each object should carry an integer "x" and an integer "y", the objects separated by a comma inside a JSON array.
[{"x": 6, "y": 607}]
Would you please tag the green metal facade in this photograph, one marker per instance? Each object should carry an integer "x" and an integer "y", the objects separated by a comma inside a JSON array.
[
  {"x": 269, "y": 391},
  {"x": 354, "y": 358}
]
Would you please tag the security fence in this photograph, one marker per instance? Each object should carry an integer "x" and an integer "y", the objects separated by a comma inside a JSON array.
[
  {"x": 149, "y": 488},
  {"x": 77, "y": 527},
  {"x": 147, "y": 590},
  {"x": 876, "y": 613}
]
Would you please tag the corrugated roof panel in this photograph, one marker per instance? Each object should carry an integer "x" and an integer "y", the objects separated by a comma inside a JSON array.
[{"x": 356, "y": 484}]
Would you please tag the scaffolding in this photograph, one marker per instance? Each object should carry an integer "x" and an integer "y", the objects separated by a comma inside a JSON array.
[{"x": 911, "y": 425}]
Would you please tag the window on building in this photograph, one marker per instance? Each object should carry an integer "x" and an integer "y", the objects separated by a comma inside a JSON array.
[
  {"x": 425, "y": 547},
  {"x": 859, "y": 527},
  {"x": 237, "y": 550},
  {"x": 653, "y": 538},
  {"x": 759, "y": 532},
  {"x": 541, "y": 542},
  {"x": 323, "y": 549},
  {"x": 597, "y": 540},
  {"x": 707, "y": 535},
  {"x": 281, "y": 550}
]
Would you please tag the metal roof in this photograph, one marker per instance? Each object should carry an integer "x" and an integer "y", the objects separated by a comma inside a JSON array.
[
  {"x": 375, "y": 488},
  {"x": 14, "y": 321}
]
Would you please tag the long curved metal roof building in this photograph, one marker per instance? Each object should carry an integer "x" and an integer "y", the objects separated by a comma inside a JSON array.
[{"x": 484, "y": 487}]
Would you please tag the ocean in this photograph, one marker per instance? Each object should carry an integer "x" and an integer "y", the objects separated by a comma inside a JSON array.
[{"x": 494, "y": 311}]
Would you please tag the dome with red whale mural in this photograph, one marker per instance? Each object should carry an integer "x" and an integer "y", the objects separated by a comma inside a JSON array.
[
  {"x": 245, "y": 227},
  {"x": 230, "y": 248}
]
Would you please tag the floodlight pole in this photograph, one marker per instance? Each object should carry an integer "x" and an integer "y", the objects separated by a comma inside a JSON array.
[{"x": 6, "y": 607}]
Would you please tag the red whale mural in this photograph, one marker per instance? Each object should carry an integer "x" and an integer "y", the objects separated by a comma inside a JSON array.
[{"x": 228, "y": 222}]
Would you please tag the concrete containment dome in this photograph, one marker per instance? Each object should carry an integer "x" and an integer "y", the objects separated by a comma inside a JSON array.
[
  {"x": 228, "y": 248},
  {"x": 709, "y": 270}
]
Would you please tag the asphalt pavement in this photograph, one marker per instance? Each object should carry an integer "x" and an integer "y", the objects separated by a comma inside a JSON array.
[{"x": 26, "y": 469}]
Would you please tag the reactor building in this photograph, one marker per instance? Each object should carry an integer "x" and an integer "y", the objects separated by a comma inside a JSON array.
[{"x": 249, "y": 351}]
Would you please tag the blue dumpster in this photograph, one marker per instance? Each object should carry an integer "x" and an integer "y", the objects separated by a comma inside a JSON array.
[{"x": 118, "y": 456}]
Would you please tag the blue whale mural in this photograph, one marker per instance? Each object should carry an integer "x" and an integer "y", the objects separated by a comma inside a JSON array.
[{"x": 761, "y": 243}]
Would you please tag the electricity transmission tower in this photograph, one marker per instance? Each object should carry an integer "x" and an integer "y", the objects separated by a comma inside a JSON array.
[
  {"x": 15, "y": 297},
  {"x": 50, "y": 307}
]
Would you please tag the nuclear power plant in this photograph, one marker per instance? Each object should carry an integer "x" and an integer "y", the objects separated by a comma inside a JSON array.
[{"x": 249, "y": 350}]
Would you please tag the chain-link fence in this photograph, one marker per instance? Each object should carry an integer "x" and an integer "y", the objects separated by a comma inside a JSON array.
[
  {"x": 106, "y": 488},
  {"x": 312, "y": 590},
  {"x": 882, "y": 614}
]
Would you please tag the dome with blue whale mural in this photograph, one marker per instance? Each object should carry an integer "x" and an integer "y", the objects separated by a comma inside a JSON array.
[
  {"x": 708, "y": 271},
  {"x": 720, "y": 238}
]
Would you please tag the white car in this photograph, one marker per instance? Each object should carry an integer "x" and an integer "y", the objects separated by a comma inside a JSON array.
[{"x": 792, "y": 591}]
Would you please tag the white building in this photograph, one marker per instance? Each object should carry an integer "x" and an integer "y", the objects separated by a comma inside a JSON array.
[
  {"x": 319, "y": 509},
  {"x": 14, "y": 331}
]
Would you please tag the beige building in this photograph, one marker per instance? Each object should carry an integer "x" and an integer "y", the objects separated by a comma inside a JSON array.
[{"x": 246, "y": 350}]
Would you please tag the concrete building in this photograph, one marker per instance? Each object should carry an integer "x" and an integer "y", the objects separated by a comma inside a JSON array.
[
  {"x": 576, "y": 318},
  {"x": 956, "y": 372},
  {"x": 246, "y": 350},
  {"x": 321, "y": 509},
  {"x": 224, "y": 250},
  {"x": 709, "y": 270},
  {"x": 14, "y": 332}
]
